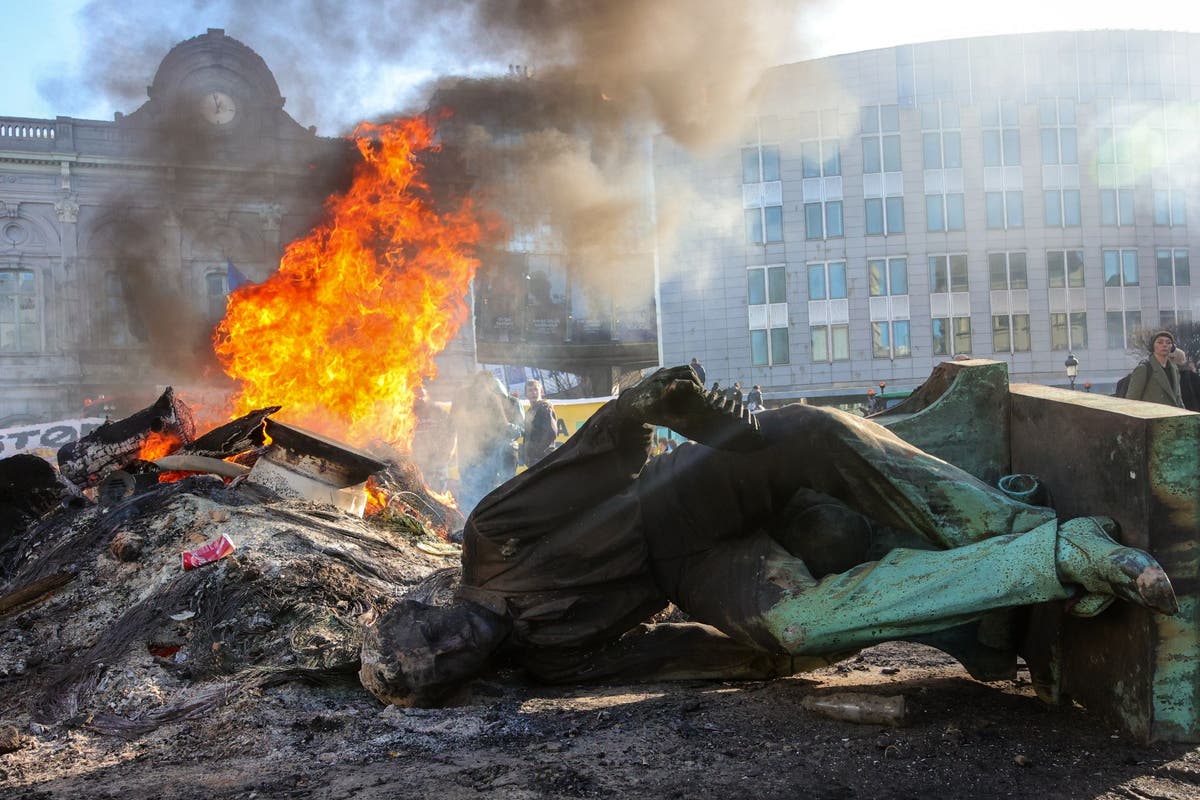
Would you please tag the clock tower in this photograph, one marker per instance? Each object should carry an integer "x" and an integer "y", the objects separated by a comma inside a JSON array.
[{"x": 213, "y": 99}]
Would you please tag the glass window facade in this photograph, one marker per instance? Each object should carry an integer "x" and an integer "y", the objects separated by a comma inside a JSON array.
[
  {"x": 1173, "y": 266},
  {"x": 768, "y": 285},
  {"x": 948, "y": 273},
  {"x": 880, "y": 127},
  {"x": 763, "y": 222},
  {"x": 884, "y": 215}
]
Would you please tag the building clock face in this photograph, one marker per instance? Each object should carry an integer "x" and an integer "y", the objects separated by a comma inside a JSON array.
[{"x": 218, "y": 107}]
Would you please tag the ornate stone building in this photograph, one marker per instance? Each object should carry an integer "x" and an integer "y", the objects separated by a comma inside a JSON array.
[{"x": 116, "y": 238}]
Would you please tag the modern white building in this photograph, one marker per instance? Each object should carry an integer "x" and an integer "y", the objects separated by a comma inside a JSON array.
[{"x": 1018, "y": 198}]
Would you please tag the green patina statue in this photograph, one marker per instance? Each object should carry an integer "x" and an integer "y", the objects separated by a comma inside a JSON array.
[{"x": 790, "y": 539}]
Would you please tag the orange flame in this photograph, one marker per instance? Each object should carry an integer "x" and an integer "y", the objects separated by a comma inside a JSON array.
[
  {"x": 380, "y": 499},
  {"x": 445, "y": 498},
  {"x": 377, "y": 499},
  {"x": 344, "y": 332},
  {"x": 158, "y": 445}
]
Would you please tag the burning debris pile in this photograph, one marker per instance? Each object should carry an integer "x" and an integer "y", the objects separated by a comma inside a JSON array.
[{"x": 159, "y": 574}]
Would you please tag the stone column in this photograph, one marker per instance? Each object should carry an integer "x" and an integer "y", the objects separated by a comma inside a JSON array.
[
  {"x": 66, "y": 320},
  {"x": 172, "y": 240},
  {"x": 271, "y": 215},
  {"x": 70, "y": 327}
]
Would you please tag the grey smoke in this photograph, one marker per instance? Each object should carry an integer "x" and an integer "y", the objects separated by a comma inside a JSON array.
[
  {"x": 688, "y": 65},
  {"x": 563, "y": 139}
]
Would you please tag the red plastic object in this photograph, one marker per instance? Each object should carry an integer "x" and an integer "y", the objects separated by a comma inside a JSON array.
[{"x": 208, "y": 552}]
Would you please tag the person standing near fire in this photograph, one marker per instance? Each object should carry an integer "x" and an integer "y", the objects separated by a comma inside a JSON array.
[
  {"x": 433, "y": 440},
  {"x": 486, "y": 426},
  {"x": 541, "y": 425},
  {"x": 514, "y": 418}
]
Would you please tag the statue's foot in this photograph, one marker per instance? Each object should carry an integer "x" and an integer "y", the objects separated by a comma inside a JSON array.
[
  {"x": 1088, "y": 556},
  {"x": 673, "y": 397}
]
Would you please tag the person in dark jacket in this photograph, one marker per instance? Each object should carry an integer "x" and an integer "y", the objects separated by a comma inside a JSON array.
[
  {"x": 563, "y": 564},
  {"x": 1156, "y": 380},
  {"x": 1189, "y": 381},
  {"x": 699, "y": 370},
  {"x": 541, "y": 425}
]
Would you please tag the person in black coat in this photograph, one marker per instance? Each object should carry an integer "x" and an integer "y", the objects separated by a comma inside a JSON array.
[
  {"x": 1189, "y": 381},
  {"x": 541, "y": 426}
]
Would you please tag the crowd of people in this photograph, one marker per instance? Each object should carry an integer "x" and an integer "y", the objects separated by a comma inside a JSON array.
[{"x": 753, "y": 400}]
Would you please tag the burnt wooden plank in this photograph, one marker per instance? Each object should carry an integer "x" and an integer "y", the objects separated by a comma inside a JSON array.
[
  {"x": 237, "y": 436},
  {"x": 114, "y": 444}
]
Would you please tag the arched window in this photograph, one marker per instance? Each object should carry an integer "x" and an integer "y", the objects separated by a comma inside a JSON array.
[{"x": 20, "y": 317}]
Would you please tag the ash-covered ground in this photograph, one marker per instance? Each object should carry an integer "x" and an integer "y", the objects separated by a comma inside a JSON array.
[{"x": 237, "y": 680}]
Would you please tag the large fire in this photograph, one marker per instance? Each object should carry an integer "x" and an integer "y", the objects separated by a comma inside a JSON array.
[{"x": 342, "y": 335}]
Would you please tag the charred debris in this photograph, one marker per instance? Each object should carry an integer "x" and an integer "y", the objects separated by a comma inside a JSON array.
[{"x": 157, "y": 574}]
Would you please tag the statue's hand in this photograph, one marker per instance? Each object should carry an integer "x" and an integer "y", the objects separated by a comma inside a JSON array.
[{"x": 674, "y": 398}]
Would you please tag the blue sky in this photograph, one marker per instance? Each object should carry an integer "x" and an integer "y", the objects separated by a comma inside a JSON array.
[
  {"x": 40, "y": 37},
  {"x": 44, "y": 42}
]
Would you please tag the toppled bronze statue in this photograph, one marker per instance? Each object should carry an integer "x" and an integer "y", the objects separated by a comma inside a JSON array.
[{"x": 790, "y": 545}]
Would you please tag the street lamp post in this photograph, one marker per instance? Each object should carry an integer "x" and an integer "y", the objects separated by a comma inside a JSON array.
[{"x": 1072, "y": 365}]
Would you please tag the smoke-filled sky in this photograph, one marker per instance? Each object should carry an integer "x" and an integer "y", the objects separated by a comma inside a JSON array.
[
  {"x": 339, "y": 61},
  {"x": 565, "y": 152}
]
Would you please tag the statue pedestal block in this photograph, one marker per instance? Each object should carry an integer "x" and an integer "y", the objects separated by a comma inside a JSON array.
[{"x": 1138, "y": 463}]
